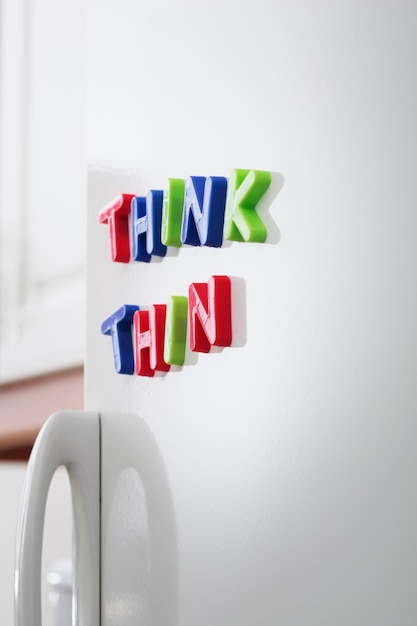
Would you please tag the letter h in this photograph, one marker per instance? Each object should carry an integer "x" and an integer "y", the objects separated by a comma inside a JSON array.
[
  {"x": 146, "y": 220},
  {"x": 149, "y": 333},
  {"x": 204, "y": 206}
]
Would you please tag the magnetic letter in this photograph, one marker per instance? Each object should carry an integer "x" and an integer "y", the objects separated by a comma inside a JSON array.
[
  {"x": 242, "y": 223},
  {"x": 146, "y": 226},
  {"x": 176, "y": 330},
  {"x": 116, "y": 215},
  {"x": 210, "y": 313},
  {"x": 203, "y": 215},
  {"x": 119, "y": 326},
  {"x": 154, "y": 245},
  {"x": 173, "y": 205},
  {"x": 149, "y": 331},
  {"x": 139, "y": 225}
]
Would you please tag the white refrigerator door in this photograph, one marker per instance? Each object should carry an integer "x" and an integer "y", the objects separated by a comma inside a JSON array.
[{"x": 290, "y": 457}]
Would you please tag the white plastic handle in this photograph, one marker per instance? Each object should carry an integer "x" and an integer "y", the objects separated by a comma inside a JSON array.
[{"x": 71, "y": 439}]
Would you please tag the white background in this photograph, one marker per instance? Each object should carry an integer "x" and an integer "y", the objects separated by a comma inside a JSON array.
[{"x": 43, "y": 181}]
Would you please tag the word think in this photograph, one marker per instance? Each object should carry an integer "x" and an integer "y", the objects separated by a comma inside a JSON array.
[
  {"x": 146, "y": 341},
  {"x": 198, "y": 212}
]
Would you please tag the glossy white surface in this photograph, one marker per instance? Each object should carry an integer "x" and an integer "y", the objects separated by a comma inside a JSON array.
[
  {"x": 290, "y": 457},
  {"x": 138, "y": 532},
  {"x": 72, "y": 440},
  {"x": 60, "y": 594}
]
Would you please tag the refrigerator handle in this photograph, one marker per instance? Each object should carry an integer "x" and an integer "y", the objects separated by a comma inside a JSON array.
[{"x": 69, "y": 439}]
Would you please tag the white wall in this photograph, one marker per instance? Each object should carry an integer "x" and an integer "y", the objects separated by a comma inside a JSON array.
[{"x": 57, "y": 536}]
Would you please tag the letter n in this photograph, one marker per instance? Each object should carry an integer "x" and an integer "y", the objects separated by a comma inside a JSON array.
[
  {"x": 149, "y": 334},
  {"x": 204, "y": 206},
  {"x": 210, "y": 314}
]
